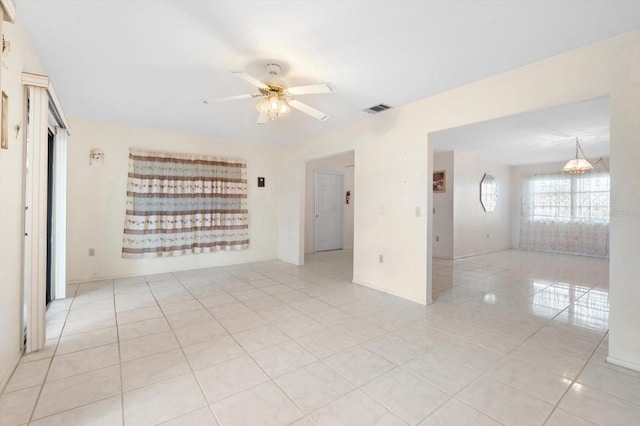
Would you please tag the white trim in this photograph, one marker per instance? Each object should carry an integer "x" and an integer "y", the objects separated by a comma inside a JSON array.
[
  {"x": 35, "y": 80},
  {"x": 393, "y": 293},
  {"x": 43, "y": 81},
  {"x": 59, "y": 246},
  {"x": 61, "y": 119},
  {"x": 43, "y": 104},
  {"x": 626, "y": 364},
  {"x": 9, "y": 7},
  {"x": 35, "y": 244}
]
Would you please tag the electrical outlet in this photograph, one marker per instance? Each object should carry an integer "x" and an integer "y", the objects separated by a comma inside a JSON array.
[
  {"x": 487, "y": 235},
  {"x": 437, "y": 238},
  {"x": 418, "y": 212},
  {"x": 381, "y": 258},
  {"x": 92, "y": 252}
]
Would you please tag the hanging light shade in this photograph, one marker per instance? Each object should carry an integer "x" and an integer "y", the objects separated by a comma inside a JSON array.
[{"x": 577, "y": 165}]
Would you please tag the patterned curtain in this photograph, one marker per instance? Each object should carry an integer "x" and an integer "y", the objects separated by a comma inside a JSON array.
[
  {"x": 566, "y": 213},
  {"x": 184, "y": 203}
]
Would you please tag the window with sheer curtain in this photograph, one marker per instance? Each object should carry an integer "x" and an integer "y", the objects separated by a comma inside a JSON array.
[{"x": 566, "y": 213}]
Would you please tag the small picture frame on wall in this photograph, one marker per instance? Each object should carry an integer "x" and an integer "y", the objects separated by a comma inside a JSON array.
[
  {"x": 439, "y": 181},
  {"x": 4, "y": 130}
]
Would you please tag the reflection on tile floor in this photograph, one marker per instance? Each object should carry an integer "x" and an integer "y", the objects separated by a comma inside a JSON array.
[{"x": 512, "y": 338}]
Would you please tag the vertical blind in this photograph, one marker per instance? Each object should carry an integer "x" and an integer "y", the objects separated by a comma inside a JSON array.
[{"x": 184, "y": 203}]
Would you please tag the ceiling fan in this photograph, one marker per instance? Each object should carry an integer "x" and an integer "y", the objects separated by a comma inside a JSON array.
[{"x": 277, "y": 98}]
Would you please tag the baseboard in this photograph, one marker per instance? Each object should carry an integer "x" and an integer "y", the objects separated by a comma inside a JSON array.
[
  {"x": 391, "y": 292},
  {"x": 625, "y": 364},
  {"x": 464, "y": 256},
  {"x": 161, "y": 271},
  {"x": 14, "y": 364}
]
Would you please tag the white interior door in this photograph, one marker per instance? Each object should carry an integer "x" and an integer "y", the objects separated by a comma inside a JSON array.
[{"x": 328, "y": 207}]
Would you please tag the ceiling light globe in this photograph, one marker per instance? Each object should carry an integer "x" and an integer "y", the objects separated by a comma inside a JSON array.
[
  {"x": 274, "y": 103},
  {"x": 263, "y": 106}
]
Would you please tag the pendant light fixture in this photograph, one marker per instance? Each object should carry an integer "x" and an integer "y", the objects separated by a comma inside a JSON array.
[{"x": 577, "y": 165}]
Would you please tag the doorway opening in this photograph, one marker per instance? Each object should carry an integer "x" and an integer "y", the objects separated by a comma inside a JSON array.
[
  {"x": 329, "y": 208},
  {"x": 519, "y": 151},
  {"x": 330, "y": 195}
]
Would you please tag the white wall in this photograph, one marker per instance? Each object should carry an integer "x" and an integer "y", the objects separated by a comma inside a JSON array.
[
  {"x": 474, "y": 230},
  {"x": 22, "y": 58},
  {"x": 97, "y": 195},
  {"x": 443, "y": 208},
  {"x": 392, "y": 152},
  {"x": 462, "y": 226},
  {"x": 339, "y": 164}
]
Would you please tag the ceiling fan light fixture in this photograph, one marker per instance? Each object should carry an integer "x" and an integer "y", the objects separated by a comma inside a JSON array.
[
  {"x": 273, "y": 105},
  {"x": 577, "y": 165},
  {"x": 277, "y": 98}
]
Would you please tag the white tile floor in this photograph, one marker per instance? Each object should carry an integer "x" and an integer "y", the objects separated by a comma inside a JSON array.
[{"x": 512, "y": 338}]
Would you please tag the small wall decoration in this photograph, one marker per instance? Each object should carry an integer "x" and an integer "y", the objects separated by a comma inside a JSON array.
[
  {"x": 96, "y": 156},
  {"x": 440, "y": 181},
  {"x": 4, "y": 131}
]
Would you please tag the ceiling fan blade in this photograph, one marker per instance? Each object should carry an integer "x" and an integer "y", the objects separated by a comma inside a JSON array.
[
  {"x": 231, "y": 98},
  {"x": 248, "y": 78},
  {"x": 312, "y": 89},
  {"x": 262, "y": 119},
  {"x": 308, "y": 110}
]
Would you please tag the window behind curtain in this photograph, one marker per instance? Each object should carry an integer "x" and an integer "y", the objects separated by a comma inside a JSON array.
[
  {"x": 566, "y": 213},
  {"x": 184, "y": 203},
  {"x": 569, "y": 198}
]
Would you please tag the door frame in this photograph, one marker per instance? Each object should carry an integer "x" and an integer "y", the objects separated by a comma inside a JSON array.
[
  {"x": 315, "y": 208},
  {"x": 42, "y": 111}
]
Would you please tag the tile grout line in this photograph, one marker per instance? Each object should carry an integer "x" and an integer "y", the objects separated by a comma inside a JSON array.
[
  {"x": 272, "y": 380},
  {"x": 484, "y": 372},
  {"x": 555, "y": 407},
  {"x": 255, "y": 362},
  {"x": 193, "y": 372},
  {"x": 44, "y": 380},
  {"x": 175, "y": 336},
  {"x": 115, "y": 313},
  {"x": 386, "y": 332}
]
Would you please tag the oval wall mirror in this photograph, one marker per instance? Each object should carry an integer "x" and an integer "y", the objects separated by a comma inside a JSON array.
[{"x": 488, "y": 192}]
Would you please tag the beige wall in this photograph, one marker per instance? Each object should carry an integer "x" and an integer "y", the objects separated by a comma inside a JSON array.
[
  {"x": 462, "y": 226},
  {"x": 474, "y": 230},
  {"x": 443, "y": 208},
  {"x": 392, "y": 151},
  {"x": 97, "y": 195},
  {"x": 21, "y": 58},
  {"x": 343, "y": 164}
]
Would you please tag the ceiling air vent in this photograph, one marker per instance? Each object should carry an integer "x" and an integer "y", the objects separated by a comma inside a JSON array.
[{"x": 377, "y": 108}]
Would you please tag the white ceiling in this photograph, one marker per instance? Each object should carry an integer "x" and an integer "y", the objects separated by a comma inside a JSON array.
[
  {"x": 151, "y": 63},
  {"x": 544, "y": 136}
]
